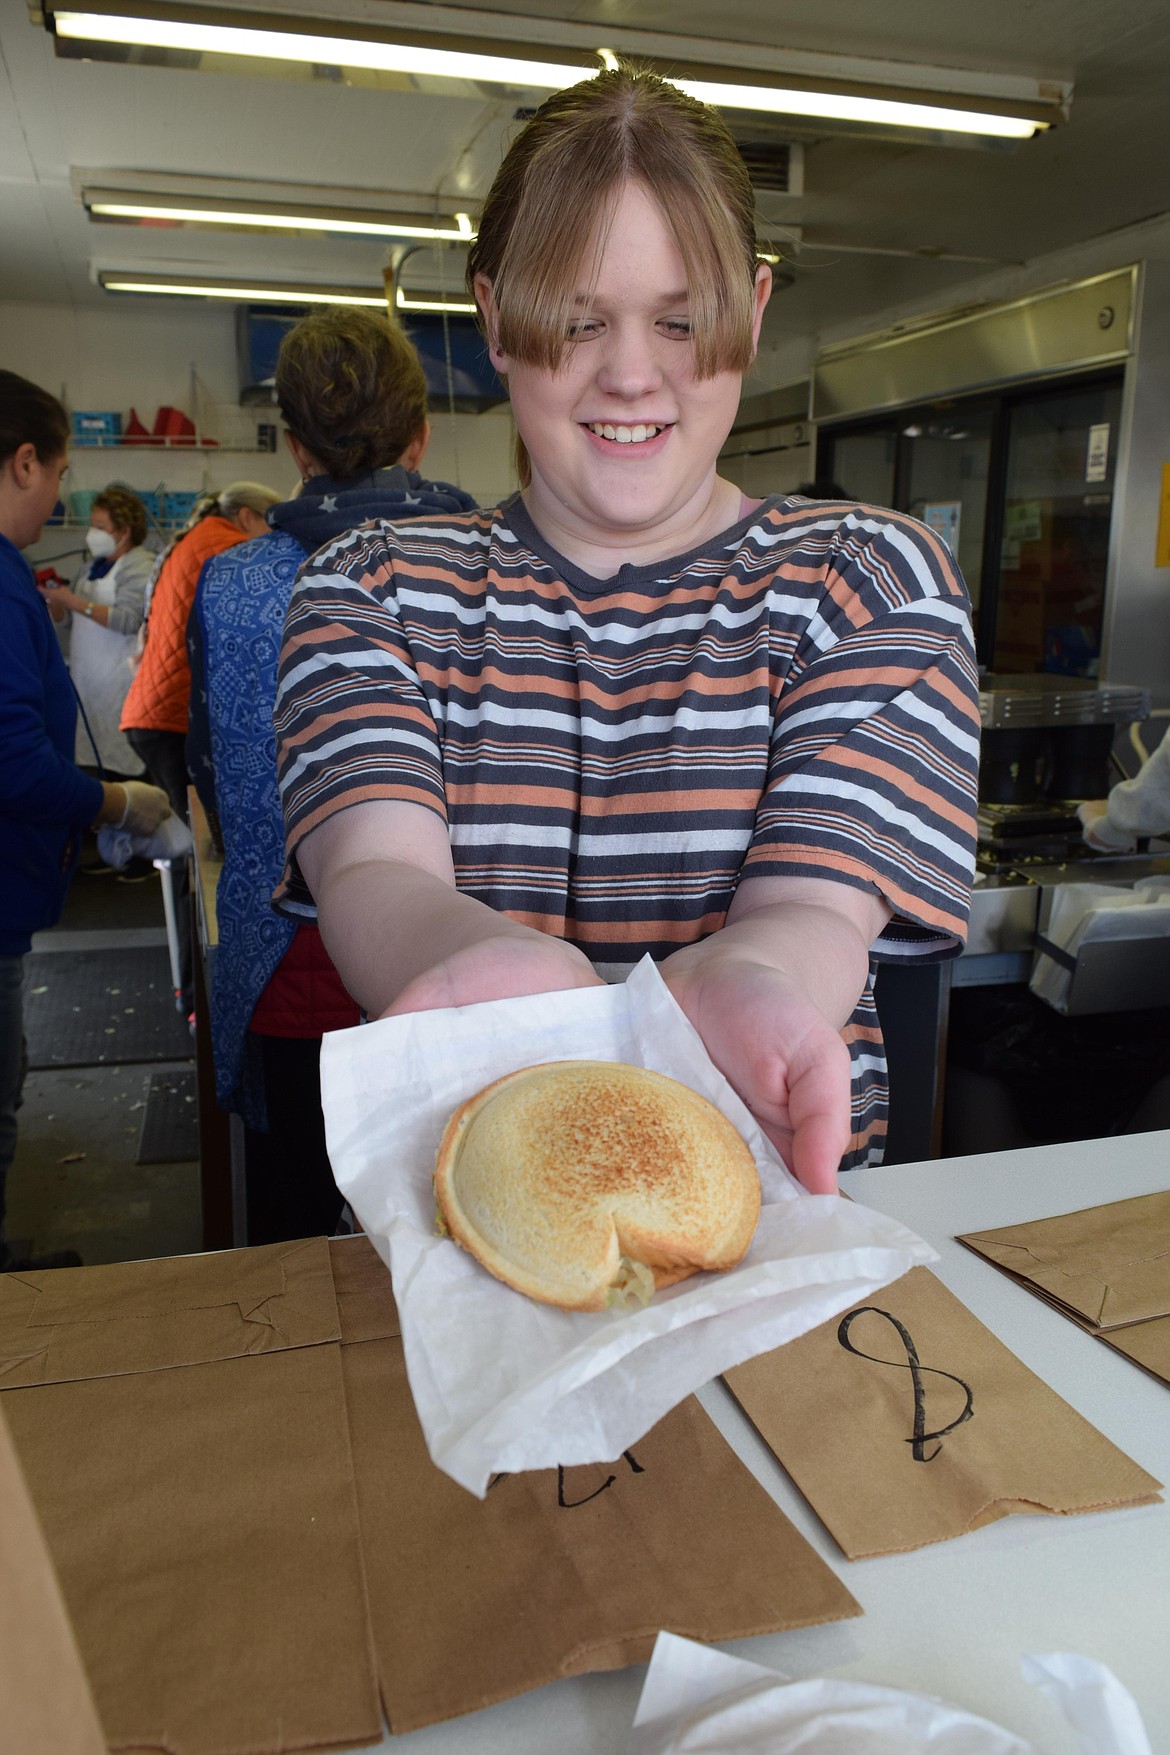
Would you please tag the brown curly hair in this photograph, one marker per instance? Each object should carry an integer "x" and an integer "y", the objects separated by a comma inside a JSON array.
[
  {"x": 351, "y": 389},
  {"x": 125, "y": 509}
]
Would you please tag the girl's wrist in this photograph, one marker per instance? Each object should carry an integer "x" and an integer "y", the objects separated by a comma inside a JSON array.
[{"x": 115, "y": 803}]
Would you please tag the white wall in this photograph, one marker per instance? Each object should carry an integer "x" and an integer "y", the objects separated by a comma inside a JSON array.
[
  {"x": 143, "y": 354},
  {"x": 475, "y": 452}
]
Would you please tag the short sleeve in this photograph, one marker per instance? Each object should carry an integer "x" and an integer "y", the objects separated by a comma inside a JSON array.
[
  {"x": 873, "y": 766},
  {"x": 352, "y": 719}
]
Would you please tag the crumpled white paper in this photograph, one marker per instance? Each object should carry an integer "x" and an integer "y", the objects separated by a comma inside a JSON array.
[
  {"x": 1103, "y": 1713},
  {"x": 699, "y": 1701},
  {"x": 501, "y": 1383}
]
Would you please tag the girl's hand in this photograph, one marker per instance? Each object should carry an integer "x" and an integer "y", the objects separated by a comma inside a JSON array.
[
  {"x": 780, "y": 1053},
  {"x": 496, "y": 968}
]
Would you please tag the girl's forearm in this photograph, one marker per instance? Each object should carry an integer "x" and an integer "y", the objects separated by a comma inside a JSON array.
[
  {"x": 822, "y": 951},
  {"x": 386, "y": 924}
]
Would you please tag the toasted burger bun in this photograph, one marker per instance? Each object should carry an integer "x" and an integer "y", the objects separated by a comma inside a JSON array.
[{"x": 562, "y": 1178}]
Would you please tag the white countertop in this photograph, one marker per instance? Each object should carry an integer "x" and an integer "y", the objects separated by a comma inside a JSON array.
[{"x": 953, "y": 1619}]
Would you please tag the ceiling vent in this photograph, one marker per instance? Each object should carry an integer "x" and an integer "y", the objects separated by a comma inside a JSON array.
[{"x": 776, "y": 167}]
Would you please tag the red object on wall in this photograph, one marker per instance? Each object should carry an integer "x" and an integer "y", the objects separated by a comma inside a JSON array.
[
  {"x": 134, "y": 433},
  {"x": 174, "y": 426}
]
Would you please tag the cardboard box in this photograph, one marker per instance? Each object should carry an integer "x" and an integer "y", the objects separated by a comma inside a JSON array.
[
  {"x": 46, "y": 1707},
  {"x": 256, "y": 1550}
]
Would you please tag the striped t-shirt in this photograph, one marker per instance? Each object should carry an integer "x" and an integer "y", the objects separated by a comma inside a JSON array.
[{"x": 611, "y": 757}]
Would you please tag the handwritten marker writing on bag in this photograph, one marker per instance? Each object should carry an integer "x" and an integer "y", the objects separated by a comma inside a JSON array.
[{"x": 921, "y": 1437}]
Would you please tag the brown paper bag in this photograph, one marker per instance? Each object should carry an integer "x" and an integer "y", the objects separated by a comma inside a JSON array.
[
  {"x": 1105, "y": 1266},
  {"x": 557, "y": 1571},
  {"x": 905, "y": 1421},
  {"x": 46, "y": 1707},
  {"x": 182, "y": 1428},
  {"x": 1146, "y": 1343}
]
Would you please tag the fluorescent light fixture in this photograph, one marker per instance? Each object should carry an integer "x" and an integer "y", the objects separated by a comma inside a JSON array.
[
  {"x": 243, "y": 290},
  {"x": 839, "y": 106},
  {"x": 277, "y": 44},
  {"x": 283, "y": 216},
  {"x": 1022, "y": 107},
  {"x": 433, "y": 301}
]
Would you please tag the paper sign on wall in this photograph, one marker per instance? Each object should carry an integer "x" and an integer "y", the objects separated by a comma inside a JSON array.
[
  {"x": 1097, "y": 456},
  {"x": 1162, "y": 546},
  {"x": 943, "y": 518},
  {"x": 1022, "y": 521}
]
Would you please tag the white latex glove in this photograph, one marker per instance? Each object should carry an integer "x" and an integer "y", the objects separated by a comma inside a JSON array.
[
  {"x": 146, "y": 807},
  {"x": 1099, "y": 832},
  {"x": 171, "y": 840}
]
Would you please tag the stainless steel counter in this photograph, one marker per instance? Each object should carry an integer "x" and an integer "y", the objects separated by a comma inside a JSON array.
[{"x": 1007, "y": 909}]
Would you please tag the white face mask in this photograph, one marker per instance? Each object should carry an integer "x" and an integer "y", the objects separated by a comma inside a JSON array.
[{"x": 100, "y": 543}]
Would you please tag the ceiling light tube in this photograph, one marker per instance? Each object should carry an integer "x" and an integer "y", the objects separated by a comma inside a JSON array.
[
  {"x": 513, "y": 65},
  {"x": 433, "y": 301},
  {"x": 877, "y": 112},
  {"x": 284, "y": 216},
  {"x": 344, "y": 51},
  {"x": 242, "y": 290}
]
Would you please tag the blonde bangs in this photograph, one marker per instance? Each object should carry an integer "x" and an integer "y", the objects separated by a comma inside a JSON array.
[
  {"x": 541, "y": 273},
  {"x": 559, "y": 183}
]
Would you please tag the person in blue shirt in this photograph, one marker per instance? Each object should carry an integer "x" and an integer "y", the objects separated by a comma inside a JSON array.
[
  {"x": 352, "y": 394},
  {"x": 46, "y": 802}
]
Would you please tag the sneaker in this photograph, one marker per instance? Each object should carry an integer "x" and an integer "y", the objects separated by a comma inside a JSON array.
[
  {"x": 136, "y": 871},
  {"x": 31, "y": 1264}
]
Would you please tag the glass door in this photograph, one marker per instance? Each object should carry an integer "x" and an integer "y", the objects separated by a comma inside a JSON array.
[
  {"x": 1057, "y": 500},
  {"x": 946, "y": 474},
  {"x": 1019, "y": 484},
  {"x": 864, "y": 464}
]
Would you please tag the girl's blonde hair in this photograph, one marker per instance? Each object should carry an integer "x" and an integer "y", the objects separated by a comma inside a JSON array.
[{"x": 562, "y": 176}]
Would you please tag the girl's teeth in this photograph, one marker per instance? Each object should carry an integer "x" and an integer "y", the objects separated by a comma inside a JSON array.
[{"x": 624, "y": 435}]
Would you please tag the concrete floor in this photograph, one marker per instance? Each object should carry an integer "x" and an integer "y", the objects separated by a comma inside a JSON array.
[{"x": 75, "y": 1183}]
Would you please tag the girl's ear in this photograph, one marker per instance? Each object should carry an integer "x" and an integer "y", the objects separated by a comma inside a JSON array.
[
  {"x": 763, "y": 293},
  {"x": 485, "y": 298},
  {"x": 413, "y": 455},
  {"x": 23, "y": 461}
]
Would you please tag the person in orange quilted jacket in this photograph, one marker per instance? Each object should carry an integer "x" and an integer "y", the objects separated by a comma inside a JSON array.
[{"x": 154, "y": 716}]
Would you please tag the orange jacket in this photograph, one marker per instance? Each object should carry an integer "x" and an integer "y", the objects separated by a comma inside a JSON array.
[{"x": 161, "y": 690}]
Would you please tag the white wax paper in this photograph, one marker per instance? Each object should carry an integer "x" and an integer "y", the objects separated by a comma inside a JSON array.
[
  {"x": 500, "y": 1382},
  {"x": 699, "y": 1701}
]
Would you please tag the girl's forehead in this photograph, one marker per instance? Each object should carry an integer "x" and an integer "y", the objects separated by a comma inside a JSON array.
[{"x": 630, "y": 240}]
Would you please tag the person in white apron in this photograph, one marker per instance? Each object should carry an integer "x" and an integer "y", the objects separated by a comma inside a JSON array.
[{"x": 106, "y": 611}]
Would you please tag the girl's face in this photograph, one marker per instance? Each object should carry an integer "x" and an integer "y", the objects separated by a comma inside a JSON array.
[{"x": 623, "y": 437}]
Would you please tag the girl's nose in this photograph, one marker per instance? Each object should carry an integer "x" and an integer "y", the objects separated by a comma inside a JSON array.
[{"x": 629, "y": 366}]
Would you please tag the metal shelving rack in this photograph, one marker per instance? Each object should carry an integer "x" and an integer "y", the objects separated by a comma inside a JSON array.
[{"x": 222, "y": 429}]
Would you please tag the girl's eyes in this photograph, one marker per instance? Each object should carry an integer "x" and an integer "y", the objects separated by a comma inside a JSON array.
[{"x": 584, "y": 328}]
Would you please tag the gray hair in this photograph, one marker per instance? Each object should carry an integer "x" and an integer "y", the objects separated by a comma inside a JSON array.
[{"x": 252, "y": 494}]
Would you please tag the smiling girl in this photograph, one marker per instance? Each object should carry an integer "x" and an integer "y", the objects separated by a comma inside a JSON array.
[{"x": 631, "y": 712}]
